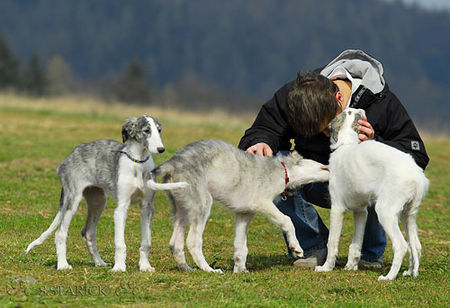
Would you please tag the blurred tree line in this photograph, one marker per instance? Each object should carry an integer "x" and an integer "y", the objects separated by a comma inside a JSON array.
[
  {"x": 56, "y": 78},
  {"x": 203, "y": 53}
]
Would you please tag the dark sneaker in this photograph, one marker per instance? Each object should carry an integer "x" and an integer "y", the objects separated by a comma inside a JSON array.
[
  {"x": 316, "y": 258},
  {"x": 371, "y": 264}
]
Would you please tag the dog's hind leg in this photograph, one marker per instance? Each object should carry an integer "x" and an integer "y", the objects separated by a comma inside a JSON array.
[
  {"x": 354, "y": 252},
  {"x": 410, "y": 225},
  {"x": 389, "y": 220},
  {"x": 176, "y": 243},
  {"x": 269, "y": 210},
  {"x": 95, "y": 199},
  {"x": 71, "y": 202},
  {"x": 242, "y": 221},
  {"x": 194, "y": 239},
  {"x": 147, "y": 211},
  {"x": 336, "y": 221}
]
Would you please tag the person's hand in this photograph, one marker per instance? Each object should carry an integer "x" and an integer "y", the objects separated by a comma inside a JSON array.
[
  {"x": 366, "y": 131},
  {"x": 261, "y": 149}
]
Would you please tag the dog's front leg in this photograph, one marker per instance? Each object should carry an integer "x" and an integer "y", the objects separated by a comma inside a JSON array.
[
  {"x": 120, "y": 217},
  {"x": 242, "y": 220},
  {"x": 269, "y": 210},
  {"x": 336, "y": 221},
  {"x": 354, "y": 252},
  {"x": 147, "y": 210}
]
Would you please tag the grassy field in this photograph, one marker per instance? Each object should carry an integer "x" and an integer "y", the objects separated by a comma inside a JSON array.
[{"x": 35, "y": 135}]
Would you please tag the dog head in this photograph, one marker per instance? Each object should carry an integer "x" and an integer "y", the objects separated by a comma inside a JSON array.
[
  {"x": 303, "y": 171},
  {"x": 345, "y": 124},
  {"x": 144, "y": 130}
]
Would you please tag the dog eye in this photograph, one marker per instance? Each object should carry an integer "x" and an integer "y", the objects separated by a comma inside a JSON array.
[{"x": 147, "y": 130}]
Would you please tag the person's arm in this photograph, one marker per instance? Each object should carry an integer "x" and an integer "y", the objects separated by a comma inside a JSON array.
[
  {"x": 398, "y": 131},
  {"x": 270, "y": 127}
]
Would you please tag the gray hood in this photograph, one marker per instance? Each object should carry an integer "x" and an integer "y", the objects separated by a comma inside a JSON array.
[{"x": 359, "y": 65}]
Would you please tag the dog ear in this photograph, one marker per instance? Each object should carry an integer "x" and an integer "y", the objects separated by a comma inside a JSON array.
[
  {"x": 335, "y": 125},
  {"x": 129, "y": 130}
]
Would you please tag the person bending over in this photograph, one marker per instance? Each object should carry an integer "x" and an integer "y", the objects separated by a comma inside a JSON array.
[{"x": 300, "y": 112}]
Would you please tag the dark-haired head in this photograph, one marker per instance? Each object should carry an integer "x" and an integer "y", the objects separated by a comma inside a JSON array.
[{"x": 311, "y": 103}]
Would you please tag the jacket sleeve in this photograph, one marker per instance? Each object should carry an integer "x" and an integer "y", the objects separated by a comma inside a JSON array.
[
  {"x": 398, "y": 131},
  {"x": 271, "y": 125}
]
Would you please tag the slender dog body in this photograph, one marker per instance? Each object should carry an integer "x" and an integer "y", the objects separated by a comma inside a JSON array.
[
  {"x": 244, "y": 183},
  {"x": 103, "y": 167},
  {"x": 372, "y": 172}
]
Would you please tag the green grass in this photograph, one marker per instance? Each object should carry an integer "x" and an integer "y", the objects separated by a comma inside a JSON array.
[{"x": 36, "y": 136}]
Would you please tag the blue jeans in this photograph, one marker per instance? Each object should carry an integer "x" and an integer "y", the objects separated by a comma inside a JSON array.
[{"x": 310, "y": 230}]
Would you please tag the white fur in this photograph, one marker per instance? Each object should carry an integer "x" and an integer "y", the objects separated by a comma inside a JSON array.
[{"x": 374, "y": 172}]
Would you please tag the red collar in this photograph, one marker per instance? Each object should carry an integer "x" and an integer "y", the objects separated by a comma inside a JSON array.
[{"x": 286, "y": 181}]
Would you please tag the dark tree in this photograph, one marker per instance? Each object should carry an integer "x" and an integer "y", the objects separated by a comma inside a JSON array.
[
  {"x": 132, "y": 87},
  {"x": 34, "y": 80},
  {"x": 9, "y": 67}
]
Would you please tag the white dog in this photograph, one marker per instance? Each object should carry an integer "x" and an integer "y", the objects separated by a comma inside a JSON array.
[
  {"x": 372, "y": 172},
  {"x": 107, "y": 166}
]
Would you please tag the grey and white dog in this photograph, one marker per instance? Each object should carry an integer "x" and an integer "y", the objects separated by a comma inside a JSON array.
[
  {"x": 371, "y": 171},
  {"x": 107, "y": 166},
  {"x": 246, "y": 184}
]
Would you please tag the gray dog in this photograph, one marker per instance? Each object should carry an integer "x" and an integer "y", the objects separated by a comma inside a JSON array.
[
  {"x": 107, "y": 166},
  {"x": 244, "y": 183}
]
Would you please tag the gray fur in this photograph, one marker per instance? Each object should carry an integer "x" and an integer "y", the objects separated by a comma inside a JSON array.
[
  {"x": 94, "y": 170},
  {"x": 244, "y": 183},
  {"x": 336, "y": 124}
]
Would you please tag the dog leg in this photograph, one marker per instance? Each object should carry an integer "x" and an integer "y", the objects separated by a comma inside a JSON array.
[
  {"x": 146, "y": 235},
  {"x": 336, "y": 220},
  {"x": 96, "y": 200},
  {"x": 71, "y": 203},
  {"x": 242, "y": 221},
  {"x": 389, "y": 221},
  {"x": 120, "y": 217},
  {"x": 415, "y": 247},
  {"x": 176, "y": 243},
  {"x": 194, "y": 239},
  {"x": 354, "y": 252},
  {"x": 269, "y": 210}
]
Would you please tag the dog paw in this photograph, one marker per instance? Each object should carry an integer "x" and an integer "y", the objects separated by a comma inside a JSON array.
[
  {"x": 102, "y": 263},
  {"x": 186, "y": 268},
  {"x": 297, "y": 252},
  {"x": 119, "y": 268},
  {"x": 148, "y": 268},
  {"x": 407, "y": 273},
  {"x": 240, "y": 270},
  {"x": 351, "y": 267},
  {"x": 323, "y": 268},
  {"x": 215, "y": 270},
  {"x": 63, "y": 267},
  {"x": 385, "y": 278}
]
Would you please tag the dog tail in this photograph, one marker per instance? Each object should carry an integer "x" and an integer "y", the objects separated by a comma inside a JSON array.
[
  {"x": 167, "y": 171},
  {"x": 166, "y": 186},
  {"x": 55, "y": 224}
]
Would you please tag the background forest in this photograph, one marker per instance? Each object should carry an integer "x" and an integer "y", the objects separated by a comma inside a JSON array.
[{"x": 230, "y": 54}]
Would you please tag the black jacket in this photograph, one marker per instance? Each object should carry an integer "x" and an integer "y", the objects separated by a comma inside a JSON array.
[{"x": 388, "y": 117}]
